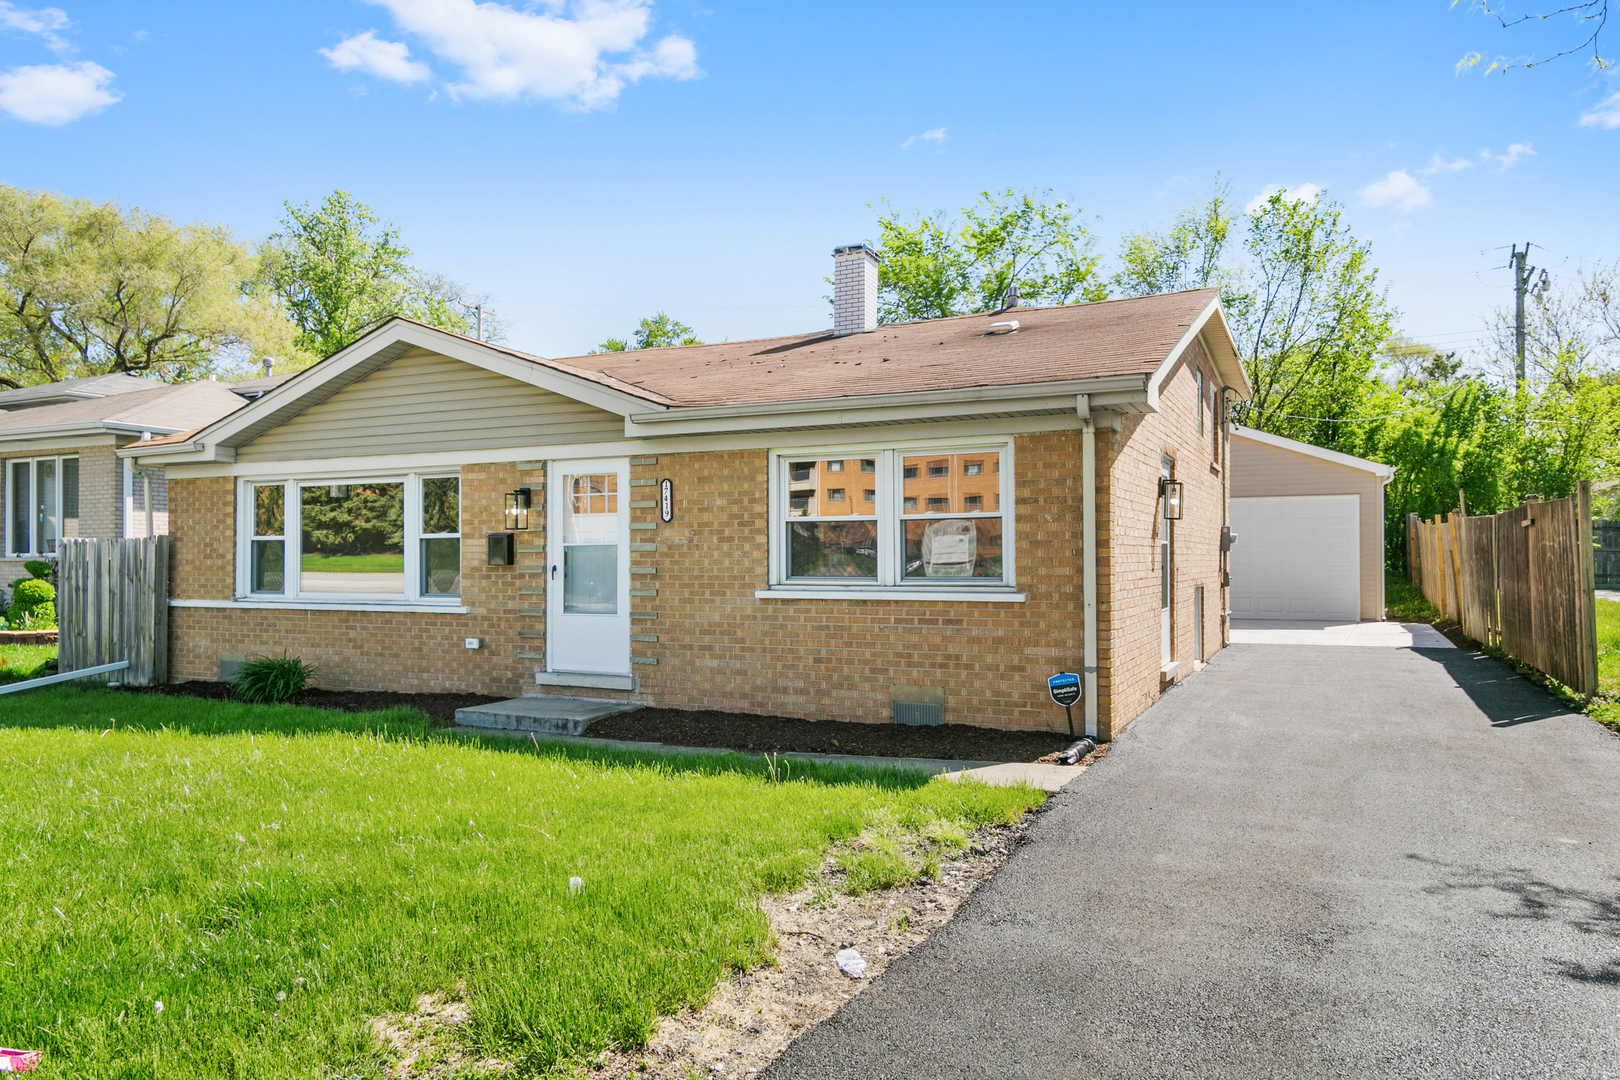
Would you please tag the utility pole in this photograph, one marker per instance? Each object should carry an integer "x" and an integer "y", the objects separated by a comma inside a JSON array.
[
  {"x": 1521, "y": 281},
  {"x": 479, "y": 309}
]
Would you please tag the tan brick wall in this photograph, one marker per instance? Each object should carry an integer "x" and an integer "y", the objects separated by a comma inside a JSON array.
[
  {"x": 700, "y": 637},
  {"x": 1128, "y": 536},
  {"x": 408, "y": 651},
  {"x": 720, "y": 647}
]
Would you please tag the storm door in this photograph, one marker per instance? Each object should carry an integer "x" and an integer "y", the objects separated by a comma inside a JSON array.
[{"x": 588, "y": 568}]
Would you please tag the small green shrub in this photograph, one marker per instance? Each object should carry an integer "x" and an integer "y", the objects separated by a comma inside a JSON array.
[
  {"x": 39, "y": 568},
  {"x": 33, "y": 605},
  {"x": 272, "y": 678}
]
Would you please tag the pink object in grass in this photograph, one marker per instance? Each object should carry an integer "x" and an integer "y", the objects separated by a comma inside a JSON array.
[{"x": 19, "y": 1060}]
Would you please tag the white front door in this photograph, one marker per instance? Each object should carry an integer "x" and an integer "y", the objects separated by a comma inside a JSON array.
[{"x": 588, "y": 567}]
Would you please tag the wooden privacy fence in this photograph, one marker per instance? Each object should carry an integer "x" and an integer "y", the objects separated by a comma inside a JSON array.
[
  {"x": 112, "y": 603},
  {"x": 1520, "y": 580}
]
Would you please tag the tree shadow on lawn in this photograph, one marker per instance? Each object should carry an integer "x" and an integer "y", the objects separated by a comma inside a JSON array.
[
  {"x": 98, "y": 709},
  {"x": 1532, "y": 899},
  {"x": 1506, "y": 698}
]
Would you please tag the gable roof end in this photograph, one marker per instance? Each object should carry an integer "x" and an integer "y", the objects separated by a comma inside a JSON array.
[{"x": 1385, "y": 473}]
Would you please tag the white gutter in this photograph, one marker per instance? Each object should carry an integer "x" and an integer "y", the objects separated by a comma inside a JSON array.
[
  {"x": 90, "y": 427},
  {"x": 1088, "y": 558}
]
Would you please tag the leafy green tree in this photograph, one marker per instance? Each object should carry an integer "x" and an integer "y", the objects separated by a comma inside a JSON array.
[
  {"x": 337, "y": 275},
  {"x": 90, "y": 288},
  {"x": 654, "y": 332},
  {"x": 1195, "y": 252},
  {"x": 934, "y": 267}
]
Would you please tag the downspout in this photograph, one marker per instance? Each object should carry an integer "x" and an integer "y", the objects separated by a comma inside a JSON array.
[{"x": 1088, "y": 558}]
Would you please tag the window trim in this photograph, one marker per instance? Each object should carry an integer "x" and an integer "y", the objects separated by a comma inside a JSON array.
[
  {"x": 890, "y": 583},
  {"x": 292, "y": 544},
  {"x": 33, "y": 486}
]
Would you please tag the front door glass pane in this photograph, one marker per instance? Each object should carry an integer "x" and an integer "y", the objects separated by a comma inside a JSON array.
[
  {"x": 353, "y": 539},
  {"x": 22, "y": 508},
  {"x": 45, "y": 483},
  {"x": 591, "y": 544}
]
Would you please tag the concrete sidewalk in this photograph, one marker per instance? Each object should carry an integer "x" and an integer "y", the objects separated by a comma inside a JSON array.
[
  {"x": 1304, "y": 862},
  {"x": 1387, "y": 635}
]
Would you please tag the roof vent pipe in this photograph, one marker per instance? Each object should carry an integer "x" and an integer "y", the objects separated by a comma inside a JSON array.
[
  {"x": 1010, "y": 300},
  {"x": 855, "y": 289},
  {"x": 268, "y": 364}
]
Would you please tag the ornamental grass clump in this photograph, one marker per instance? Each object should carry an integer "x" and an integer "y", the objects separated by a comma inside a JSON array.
[{"x": 272, "y": 678}]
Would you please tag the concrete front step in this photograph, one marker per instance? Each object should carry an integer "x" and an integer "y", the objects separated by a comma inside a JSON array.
[{"x": 551, "y": 715}]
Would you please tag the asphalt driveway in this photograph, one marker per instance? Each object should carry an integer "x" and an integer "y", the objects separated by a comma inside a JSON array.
[{"x": 1304, "y": 862}]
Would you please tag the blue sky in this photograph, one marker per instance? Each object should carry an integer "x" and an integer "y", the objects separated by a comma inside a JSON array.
[{"x": 589, "y": 163}]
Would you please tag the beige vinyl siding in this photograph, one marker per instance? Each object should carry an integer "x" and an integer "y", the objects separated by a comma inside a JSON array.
[
  {"x": 1259, "y": 470},
  {"x": 424, "y": 402}
]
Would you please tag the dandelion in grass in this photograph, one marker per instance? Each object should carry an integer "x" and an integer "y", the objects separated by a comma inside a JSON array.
[
  {"x": 575, "y": 885},
  {"x": 281, "y": 995},
  {"x": 157, "y": 1007}
]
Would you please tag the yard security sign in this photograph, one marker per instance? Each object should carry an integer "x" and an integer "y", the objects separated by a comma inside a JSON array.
[{"x": 1065, "y": 690}]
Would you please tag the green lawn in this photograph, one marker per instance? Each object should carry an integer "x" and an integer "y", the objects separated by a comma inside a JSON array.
[
  {"x": 1608, "y": 633},
  {"x": 276, "y": 876},
  {"x": 1405, "y": 600},
  {"x": 354, "y": 564},
  {"x": 19, "y": 662}
]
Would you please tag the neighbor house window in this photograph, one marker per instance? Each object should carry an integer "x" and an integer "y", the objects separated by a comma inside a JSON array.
[
  {"x": 388, "y": 539},
  {"x": 42, "y": 504},
  {"x": 925, "y": 522}
]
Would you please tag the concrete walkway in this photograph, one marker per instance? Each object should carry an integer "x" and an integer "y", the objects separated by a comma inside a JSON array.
[
  {"x": 1304, "y": 862},
  {"x": 1388, "y": 635}
]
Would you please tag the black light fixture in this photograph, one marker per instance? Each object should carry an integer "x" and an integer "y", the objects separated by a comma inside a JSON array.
[
  {"x": 517, "y": 509},
  {"x": 1170, "y": 492}
]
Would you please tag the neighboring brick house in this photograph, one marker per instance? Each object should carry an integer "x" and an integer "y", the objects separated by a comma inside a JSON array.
[
  {"x": 919, "y": 519},
  {"x": 60, "y": 475}
]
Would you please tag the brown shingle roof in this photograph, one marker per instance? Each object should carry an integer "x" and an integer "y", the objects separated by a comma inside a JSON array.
[
  {"x": 1055, "y": 344},
  {"x": 181, "y": 405}
]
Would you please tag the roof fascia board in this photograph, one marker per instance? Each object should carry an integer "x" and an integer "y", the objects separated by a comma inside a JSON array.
[
  {"x": 87, "y": 428},
  {"x": 1231, "y": 372},
  {"x": 1115, "y": 391},
  {"x": 347, "y": 366},
  {"x": 900, "y": 435},
  {"x": 1384, "y": 472}
]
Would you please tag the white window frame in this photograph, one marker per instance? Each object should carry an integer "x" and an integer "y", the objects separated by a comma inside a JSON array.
[
  {"x": 292, "y": 543},
  {"x": 890, "y": 583},
  {"x": 33, "y": 517}
]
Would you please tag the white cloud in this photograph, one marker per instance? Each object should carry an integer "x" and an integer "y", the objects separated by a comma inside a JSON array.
[
  {"x": 42, "y": 21},
  {"x": 562, "y": 52},
  {"x": 1299, "y": 193},
  {"x": 1439, "y": 164},
  {"x": 1398, "y": 189},
  {"x": 54, "y": 94},
  {"x": 1605, "y": 115},
  {"x": 389, "y": 60},
  {"x": 1507, "y": 160},
  {"x": 933, "y": 135}
]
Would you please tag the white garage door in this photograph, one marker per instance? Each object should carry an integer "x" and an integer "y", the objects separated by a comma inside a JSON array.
[{"x": 1297, "y": 557}]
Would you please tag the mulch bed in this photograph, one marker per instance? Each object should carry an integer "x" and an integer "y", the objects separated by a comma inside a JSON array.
[
  {"x": 707, "y": 728},
  {"x": 774, "y": 734},
  {"x": 441, "y": 707}
]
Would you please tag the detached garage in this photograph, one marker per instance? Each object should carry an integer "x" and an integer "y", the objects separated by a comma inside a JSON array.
[{"x": 1310, "y": 531}]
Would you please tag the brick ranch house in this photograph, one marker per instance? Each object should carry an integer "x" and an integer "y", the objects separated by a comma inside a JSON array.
[
  {"x": 60, "y": 475},
  {"x": 922, "y": 520}
]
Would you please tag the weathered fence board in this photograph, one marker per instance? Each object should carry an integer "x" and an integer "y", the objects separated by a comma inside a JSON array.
[
  {"x": 1521, "y": 580},
  {"x": 113, "y": 604}
]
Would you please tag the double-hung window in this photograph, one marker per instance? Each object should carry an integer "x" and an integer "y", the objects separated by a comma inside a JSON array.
[
  {"x": 924, "y": 517},
  {"x": 361, "y": 540},
  {"x": 42, "y": 504}
]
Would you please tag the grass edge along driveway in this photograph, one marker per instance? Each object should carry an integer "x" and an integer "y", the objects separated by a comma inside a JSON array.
[{"x": 276, "y": 876}]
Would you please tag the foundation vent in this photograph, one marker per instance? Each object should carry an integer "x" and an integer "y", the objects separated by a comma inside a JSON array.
[{"x": 919, "y": 706}]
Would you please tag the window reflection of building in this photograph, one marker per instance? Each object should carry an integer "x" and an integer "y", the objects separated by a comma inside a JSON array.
[
  {"x": 952, "y": 483},
  {"x": 815, "y": 488}
]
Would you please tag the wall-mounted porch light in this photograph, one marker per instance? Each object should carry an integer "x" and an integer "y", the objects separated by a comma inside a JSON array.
[
  {"x": 517, "y": 509},
  {"x": 1170, "y": 492}
]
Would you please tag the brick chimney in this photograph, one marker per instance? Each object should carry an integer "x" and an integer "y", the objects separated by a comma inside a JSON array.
[{"x": 855, "y": 289}]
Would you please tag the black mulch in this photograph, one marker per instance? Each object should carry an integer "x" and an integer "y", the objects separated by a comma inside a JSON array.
[
  {"x": 771, "y": 734},
  {"x": 441, "y": 707},
  {"x": 731, "y": 731}
]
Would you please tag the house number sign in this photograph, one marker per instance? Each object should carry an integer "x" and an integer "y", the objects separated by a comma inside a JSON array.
[{"x": 666, "y": 500}]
